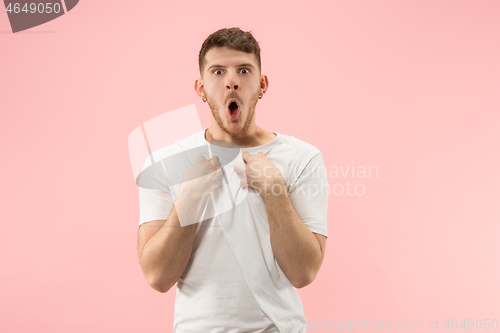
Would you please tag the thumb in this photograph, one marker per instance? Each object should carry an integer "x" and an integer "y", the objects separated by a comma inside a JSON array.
[{"x": 246, "y": 156}]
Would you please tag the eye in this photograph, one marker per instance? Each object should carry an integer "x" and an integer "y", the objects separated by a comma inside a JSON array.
[
  {"x": 217, "y": 71},
  {"x": 244, "y": 71}
]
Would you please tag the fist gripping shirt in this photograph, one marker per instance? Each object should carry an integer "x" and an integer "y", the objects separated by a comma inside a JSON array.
[{"x": 232, "y": 282}]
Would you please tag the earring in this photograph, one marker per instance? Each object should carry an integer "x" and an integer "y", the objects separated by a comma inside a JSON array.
[
  {"x": 203, "y": 98},
  {"x": 261, "y": 95}
]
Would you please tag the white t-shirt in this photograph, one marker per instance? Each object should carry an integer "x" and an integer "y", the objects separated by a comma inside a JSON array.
[{"x": 232, "y": 282}]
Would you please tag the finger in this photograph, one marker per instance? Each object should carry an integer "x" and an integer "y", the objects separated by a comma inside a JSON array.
[
  {"x": 239, "y": 169},
  {"x": 243, "y": 182},
  {"x": 214, "y": 162},
  {"x": 201, "y": 158},
  {"x": 217, "y": 173},
  {"x": 261, "y": 154},
  {"x": 246, "y": 156}
]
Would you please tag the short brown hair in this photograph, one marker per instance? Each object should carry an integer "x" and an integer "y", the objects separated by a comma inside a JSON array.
[{"x": 233, "y": 38}]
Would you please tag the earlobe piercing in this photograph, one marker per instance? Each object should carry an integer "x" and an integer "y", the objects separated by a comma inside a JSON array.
[
  {"x": 261, "y": 95},
  {"x": 203, "y": 98}
]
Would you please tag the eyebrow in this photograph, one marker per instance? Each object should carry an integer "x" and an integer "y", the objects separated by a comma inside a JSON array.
[{"x": 241, "y": 65}]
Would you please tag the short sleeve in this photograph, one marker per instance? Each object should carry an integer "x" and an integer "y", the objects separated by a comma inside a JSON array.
[
  {"x": 155, "y": 197},
  {"x": 309, "y": 195},
  {"x": 154, "y": 204}
]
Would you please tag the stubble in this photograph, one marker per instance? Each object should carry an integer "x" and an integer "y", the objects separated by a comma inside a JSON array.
[{"x": 214, "y": 108}]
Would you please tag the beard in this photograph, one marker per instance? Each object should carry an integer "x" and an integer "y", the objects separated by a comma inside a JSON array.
[{"x": 216, "y": 113}]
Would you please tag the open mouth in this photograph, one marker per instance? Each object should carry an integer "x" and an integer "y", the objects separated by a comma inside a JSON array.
[{"x": 233, "y": 109}]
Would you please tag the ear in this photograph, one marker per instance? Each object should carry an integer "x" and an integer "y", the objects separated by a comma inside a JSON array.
[
  {"x": 264, "y": 83},
  {"x": 198, "y": 86}
]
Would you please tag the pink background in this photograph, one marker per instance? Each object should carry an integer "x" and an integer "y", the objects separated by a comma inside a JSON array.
[{"x": 408, "y": 86}]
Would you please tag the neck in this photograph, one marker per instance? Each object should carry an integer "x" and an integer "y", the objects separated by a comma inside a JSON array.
[{"x": 253, "y": 136}]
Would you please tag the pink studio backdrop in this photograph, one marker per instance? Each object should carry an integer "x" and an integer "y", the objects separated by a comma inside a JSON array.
[{"x": 408, "y": 87}]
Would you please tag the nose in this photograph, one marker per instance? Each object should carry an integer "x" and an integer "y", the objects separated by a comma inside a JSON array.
[{"x": 232, "y": 82}]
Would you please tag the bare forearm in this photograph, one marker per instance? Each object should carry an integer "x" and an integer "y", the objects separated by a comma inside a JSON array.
[
  {"x": 295, "y": 248},
  {"x": 166, "y": 255}
]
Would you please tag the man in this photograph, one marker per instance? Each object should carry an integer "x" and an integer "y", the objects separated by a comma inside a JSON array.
[{"x": 237, "y": 271}]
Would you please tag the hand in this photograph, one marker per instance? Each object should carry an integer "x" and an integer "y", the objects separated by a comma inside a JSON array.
[
  {"x": 261, "y": 174},
  {"x": 201, "y": 178}
]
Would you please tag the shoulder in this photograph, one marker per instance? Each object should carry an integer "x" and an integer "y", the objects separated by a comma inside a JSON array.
[
  {"x": 292, "y": 156},
  {"x": 302, "y": 150},
  {"x": 192, "y": 141}
]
